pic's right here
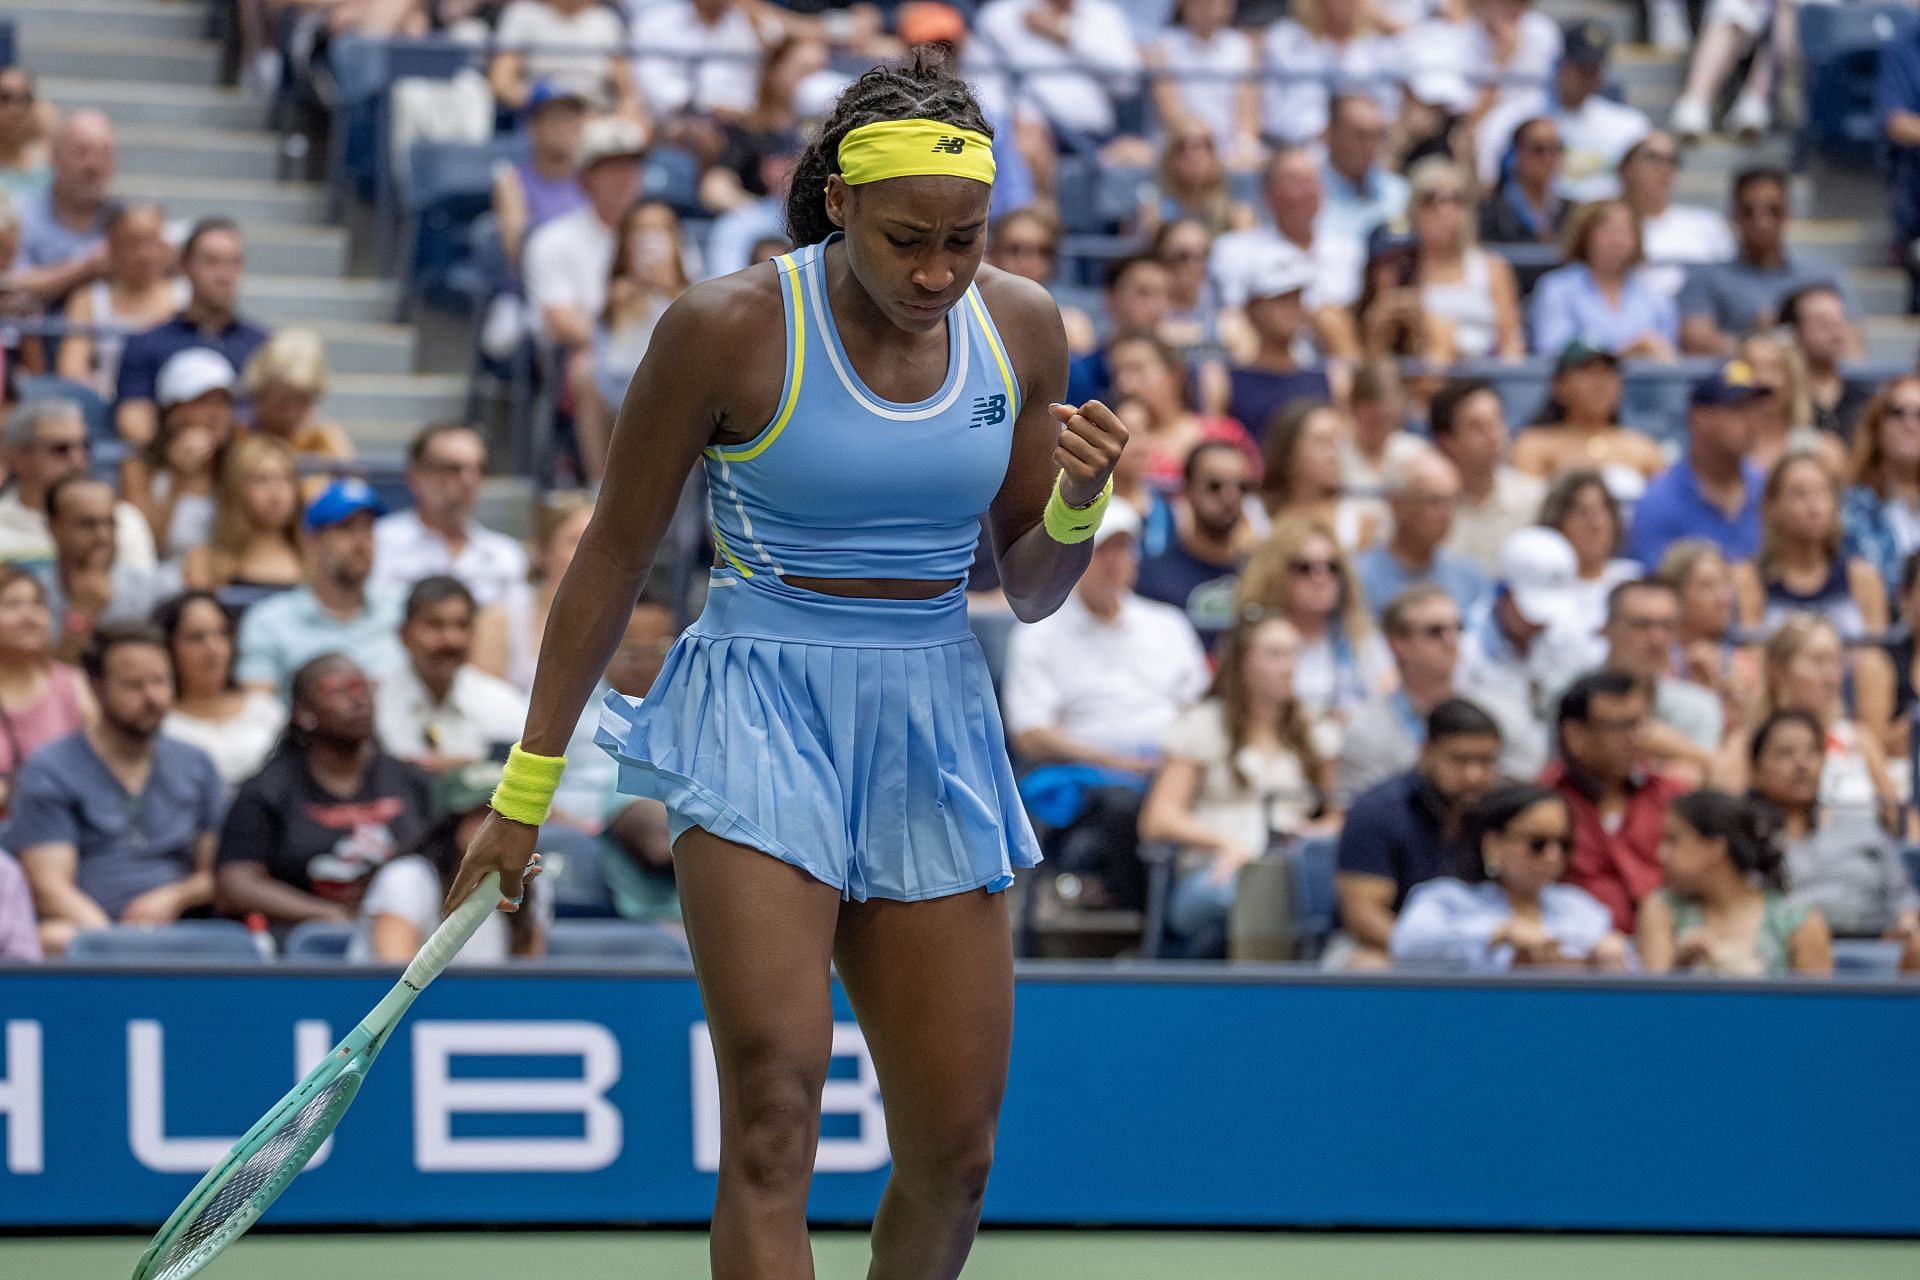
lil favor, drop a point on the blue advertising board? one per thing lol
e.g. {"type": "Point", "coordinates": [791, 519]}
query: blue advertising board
{"type": "Point", "coordinates": [1200, 1098]}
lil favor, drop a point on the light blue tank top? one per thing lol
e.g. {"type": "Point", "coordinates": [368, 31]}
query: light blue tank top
{"type": "Point", "coordinates": [844, 484]}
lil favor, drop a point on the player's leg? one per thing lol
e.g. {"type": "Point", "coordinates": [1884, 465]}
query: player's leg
{"type": "Point", "coordinates": [932, 983]}
{"type": "Point", "coordinates": [762, 936]}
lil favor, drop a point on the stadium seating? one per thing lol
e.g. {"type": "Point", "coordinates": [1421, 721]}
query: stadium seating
{"type": "Point", "coordinates": [450, 186]}
{"type": "Point", "coordinates": [1316, 910]}
{"type": "Point", "coordinates": [1840, 51]}
{"type": "Point", "coordinates": [318, 940]}
{"type": "Point", "coordinates": [185, 941]}
{"type": "Point", "coordinates": [618, 941]}
{"type": "Point", "coordinates": [572, 873]}
{"type": "Point", "coordinates": [1865, 958]}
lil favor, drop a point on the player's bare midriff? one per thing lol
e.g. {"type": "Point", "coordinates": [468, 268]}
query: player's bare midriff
{"type": "Point", "coordinates": [874, 588]}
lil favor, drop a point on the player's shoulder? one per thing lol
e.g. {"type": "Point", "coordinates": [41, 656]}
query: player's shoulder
{"type": "Point", "coordinates": [1021, 309]}
{"type": "Point", "coordinates": [744, 306]}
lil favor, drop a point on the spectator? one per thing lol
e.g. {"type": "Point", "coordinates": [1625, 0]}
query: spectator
{"type": "Point", "coordinates": [1421, 491]}
{"type": "Point", "coordinates": [773, 125]}
{"type": "Point", "coordinates": [696, 57]}
{"type": "Point", "coordinates": [1729, 28]}
{"type": "Point", "coordinates": [647, 275]}
{"type": "Point", "coordinates": [1407, 831]}
{"type": "Point", "coordinates": [735, 232]}
{"type": "Point", "coordinates": [506, 641]}
{"type": "Point", "coordinates": [1468, 290]}
{"type": "Point", "coordinates": [1379, 441]}
{"type": "Point", "coordinates": [577, 46]}
{"type": "Point", "coordinates": [1881, 511]}
{"type": "Point", "coordinates": [1293, 194]}
{"type": "Point", "coordinates": [567, 257]}
{"type": "Point", "coordinates": [63, 228]}
{"type": "Point", "coordinates": [136, 290]}
{"type": "Point", "coordinates": [1026, 243]}
{"type": "Point", "coordinates": [46, 441]}
{"type": "Point", "coordinates": [1525, 639]}
{"type": "Point", "coordinates": [1802, 567]}
{"type": "Point", "coordinates": [1070, 60]}
{"type": "Point", "coordinates": [1708, 654]}
{"type": "Point", "coordinates": [1643, 630]}
{"type": "Point", "coordinates": [1299, 574]}
{"type": "Point", "coordinates": [1384, 736]}
{"type": "Point", "coordinates": [115, 822]}
{"type": "Point", "coordinates": [445, 466]}
{"type": "Point", "coordinates": [40, 700]}
{"type": "Point", "coordinates": [1197, 568]}
{"type": "Point", "coordinates": [339, 610]}
{"type": "Point", "coordinates": [1723, 865]}
{"type": "Point", "coordinates": [1327, 48]}
{"type": "Point", "coordinates": [1468, 425]}
{"type": "Point", "coordinates": [1713, 492]}
{"type": "Point", "coordinates": [284, 381]}
{"type": "Point", "coordinates": [1817, 316]}
{"type": "Point", "coordinates": [1673, 237]}
{"type": "Point", "coordinates": [12, 298]}
{"type": "Point", "coordinates": [173, 483]}
{"type": "Point", "coordinates": [1841, 864]}
{"type": "Point", "coordinates": [1804, 664]}
{"type": "Point", "coordinates": [1193, 312]}
{"type": "Point", "coordinates": [19, 931]}
{"type": "Point", "coordinates": [530, 193]}
{"type": "Point", "coordinates": [1091, 691]}
{"type": "Point", "coordinates": [1787, 426]}
{"type": "Point", "coordinates": [89, 581]}
{"type": "Point", "coordinates": [1191, 182]}
{"type": "Point", "coordinates": [1505, 909]}
{"type": "Point", "coordinates": [1599, 298]}
{"type": "Point", "coordinates": [437, 709]}
{"type": "Point", "coordinates": [1596, 131]}
{"type": "Point", "coordinates": [1242, 769]}
{"type": "Point", "coordinates": [1617, 808]}
{"type": "Point", "coordinates": [1276, 311]}
{"type": "Point", "coordinates": [1390, 317]}
{"type": "Point", "coordinates": [236, 727]}
{"type": "Point", "coordinates": [1153, 388]}
{"type": "Point", "coordinates": [402, 906]}
{"type": "Point", "coordinates": [254, 550]}
{"type": "Point", "coordinates": [212, 258]}
{"type": "Point", "coordinates": [1584, 511]}
{"type": "Point", "coordinates": [1579, 426]}
{"type": "Point", "coordinates": [24, 159]}
{"type": "Point", "coordinates": [1139, 295]}
{"type": "Point", "coordinates": [1723, 300]}
{"type": "Point", "coordinates": [306, 834]}
{"type": "Point", "coordinates": [1525, 205]}
{"type": "Point", "coordinates": [1362, 194]}
{"type": "Point", "coordinates": [1301, 476]}
{"type": "Point", "coordinates": [1510, 52]}
{"type": "Point", "coordinates": [1205, 74]}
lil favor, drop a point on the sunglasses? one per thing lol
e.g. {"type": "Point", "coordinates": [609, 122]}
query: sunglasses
{"type": "Point", "coordinates": [1183, 257]}
{"type": "Point", "coordinates": [63, 448]}
{"type": "Point", "coordinates": [1660, 157]}
{"type": "Point", "coordinates": [16, 99]}
{"type": "Point", "coordinates": [1904, 412]}
{"type": "Point", "coordinates": [1439, 199]}
{"type": "Point", "coordinates": [1200, 142]}
{"type": "Point", "coordinates": [1313, 568]}
{"type": "Point", "coordinates": [1768, 210]}
{"type": "Point", "coordinates": [1537, 845]}
{"type": "Point", "coordinates": [1027, 249]}
{"type": "Point", "coordinates": [1544, 148]}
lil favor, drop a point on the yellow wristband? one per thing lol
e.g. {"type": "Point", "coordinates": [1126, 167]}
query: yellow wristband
{"type": "Point", "coordinates": [527, 785]}
{"type": "Point", "coordinates": [1069, 524]}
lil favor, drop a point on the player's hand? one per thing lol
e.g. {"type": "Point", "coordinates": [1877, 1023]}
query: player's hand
{"type": "Point", "coordinates": [1091, 440]}
{"type": "Point", "coordinates": [500, 845]}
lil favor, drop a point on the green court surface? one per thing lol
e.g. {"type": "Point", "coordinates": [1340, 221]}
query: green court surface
{"type": "Point", "coordinates": [1007, 1255]}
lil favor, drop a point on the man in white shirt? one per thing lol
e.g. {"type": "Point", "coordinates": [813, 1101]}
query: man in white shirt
{"type": "Point", "coordinates": [1521, 645]}
{"type": "Point", "coordinates": [445, 466]}
{"type": "Point", "coordinates": [578, 46]}
{"type": "Point", "coordinates": [1672, 236]}
{"type": "Point", "coordinates": [568, 257]}
{"type": "Point", "coordinates": [1469, 426]}
{"type": "Point", "coordinates": [1294, 197]}
{"type": "Point", "coordinates": [1066, 59]}
{"type": "Point", "coordinates": [46, 440]}
{"type": "Point", "coordinates": [1596, 131]}
{"type": "Point", "coordinates": [696, 55]}
{"type": "Point", "coordinates": [437, 709]}
{"type": "Point", "coordinates": [1089, 693]}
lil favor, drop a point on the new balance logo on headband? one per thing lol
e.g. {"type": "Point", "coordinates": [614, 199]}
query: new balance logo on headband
{"type": "Point", "coordinates": [989, 411]}
{"type": "Point", "coordinates": [946, 144]}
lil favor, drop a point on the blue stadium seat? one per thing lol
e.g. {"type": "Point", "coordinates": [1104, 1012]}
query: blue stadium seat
{"type": "Point", "coordinates": [1913, 864]}
{"type": "Point", "coordinates": [1077, 189]}
{"type": "Point", "coordinates": [573, 874]}
{"type": "Point", "coordinates": [1840, 50]}
{"type": "Point", "coordinates": [1316, 909]}
{"type": "Point", "coordinates": [627, 941]}
{"type": "Point", "coordinates": [1529, 263]}
{"type": "Point", "coordinates": [318, 940]}
{"type": "Point", "coordinates": [1865, 958]}
{"type": "Point", "coordinates": [221, 941]}
{"type": "Point", "coordinates": [450, 186]}
{"type": "Point", "coordinates": [672, 175]}
{"type": "Point", "coordinates": [1522, 387]}
{"type": "Point", "coordinates": [6, 42]}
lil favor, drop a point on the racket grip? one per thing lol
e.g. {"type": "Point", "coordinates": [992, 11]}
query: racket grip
{"type": "Point", "coordinates": [453, 933]}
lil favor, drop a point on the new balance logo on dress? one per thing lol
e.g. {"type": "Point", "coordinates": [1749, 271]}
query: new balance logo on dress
{"type": "Point", "coordinates": [949, 145]}
{"type": "Point", "coordinates": [989, 411]}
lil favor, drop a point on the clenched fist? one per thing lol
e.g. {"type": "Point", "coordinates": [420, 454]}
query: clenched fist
{"type": "Point", "coordinates": [1091, 440]}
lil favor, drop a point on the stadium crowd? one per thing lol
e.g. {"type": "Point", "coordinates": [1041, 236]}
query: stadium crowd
{"type": "Point", "coordinates": [1563, 691]}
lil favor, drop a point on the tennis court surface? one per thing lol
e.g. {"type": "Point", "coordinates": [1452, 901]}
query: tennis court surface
{"type": "Point", "coordinates": [1007, 1255]}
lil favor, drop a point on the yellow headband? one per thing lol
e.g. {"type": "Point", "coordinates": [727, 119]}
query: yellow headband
{"type": "Point", "coordinates": [912, 148]}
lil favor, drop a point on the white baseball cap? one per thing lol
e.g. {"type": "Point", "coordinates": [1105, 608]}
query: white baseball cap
{"type": "Point", "coordinates": [1120, 518]}
{"type": "Point", "coordinates": [190, 374]}
{"type": "Point", "coordinates": [1280, 270]}
{"type": "Point", "coordinates": [608, 138]}
{"type": "Point", "coordinates": [1540, 571]}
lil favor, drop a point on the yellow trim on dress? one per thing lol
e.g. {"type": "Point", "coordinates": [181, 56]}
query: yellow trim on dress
{"type": "Point", "coordinates": [993, 343]}
{"type": "Point", "coordinates": [754, 448]}
{"type": "Point", "coordinates": [720, 541]}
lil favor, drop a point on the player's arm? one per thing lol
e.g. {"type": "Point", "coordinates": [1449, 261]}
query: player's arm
{"type": "Point", "coordinates": [1077, 443]}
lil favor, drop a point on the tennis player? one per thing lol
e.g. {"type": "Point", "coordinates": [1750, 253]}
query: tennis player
{"type": "Point", "coordinates": [825, 736]}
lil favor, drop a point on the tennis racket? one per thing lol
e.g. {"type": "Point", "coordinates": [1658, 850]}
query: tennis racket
{"type": "Point", "coordinates": [269, 1156]}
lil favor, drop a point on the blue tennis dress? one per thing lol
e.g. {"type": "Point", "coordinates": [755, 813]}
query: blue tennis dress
{"type": "Point", "coordinates": [858, 739]}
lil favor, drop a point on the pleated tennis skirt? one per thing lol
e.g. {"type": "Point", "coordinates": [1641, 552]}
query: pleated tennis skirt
{"type": "Point", "coordinates": [858, 739]}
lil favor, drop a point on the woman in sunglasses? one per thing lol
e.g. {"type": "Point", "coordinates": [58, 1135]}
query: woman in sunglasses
{"type": "Point", "coordinates": [1300, 574]}
{"type": "Point", "coordinates": [1881, 509]}
{"type": "Point", "coordinates": [1508, 910]}
{"type": "Point", "coordinates": [1463, 288]}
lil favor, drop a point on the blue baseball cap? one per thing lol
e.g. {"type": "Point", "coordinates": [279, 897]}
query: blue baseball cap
{"type": "Point", "coordinates": [1732, 383]}
{"type": "Point", "coordinates": [546, 91]}
{"type": "Point", "coordinates": [342, 500]}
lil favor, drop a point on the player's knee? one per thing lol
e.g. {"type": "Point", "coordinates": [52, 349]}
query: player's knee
{"type": "Point", "coordinates": [777, 1122]}
{"type": "Point", "coordinates": [952, 1169]}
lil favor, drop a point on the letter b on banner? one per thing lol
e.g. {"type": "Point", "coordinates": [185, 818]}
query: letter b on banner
{"type": "Point", "coordinates": [438, 1096]}
{"type": "Point", "coordinates": [857, 1096]}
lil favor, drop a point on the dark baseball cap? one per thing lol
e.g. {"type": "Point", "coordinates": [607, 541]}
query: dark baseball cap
{"type": "Point", "coordinates": [1732, 383]}
{"type": "Point", "coordinates": [1586, 43]}
{"type": "Point", "coordinates": [1578, 355]}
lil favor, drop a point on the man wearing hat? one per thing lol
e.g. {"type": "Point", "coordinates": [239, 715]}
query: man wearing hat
{"type": "Point", "coordinates": [1713, 492]}
{"type": "Point", "coordinates": [1521, 644]}
{"type": "Point", "coordinates": [1276, 311]}
{"type": "Point", "coordinates": [1595, 130]}
{"type": "Point", "coordinates": [335, 612]}
{"type": "Point", "coordinates": [567, 259]}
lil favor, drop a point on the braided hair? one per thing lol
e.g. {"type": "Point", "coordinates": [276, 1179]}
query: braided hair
{"type": "Point", "coordinates": [924, 88]}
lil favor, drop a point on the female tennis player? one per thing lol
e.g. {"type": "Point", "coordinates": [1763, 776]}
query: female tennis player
{"type": "Point", "coordinates": [825, 736]}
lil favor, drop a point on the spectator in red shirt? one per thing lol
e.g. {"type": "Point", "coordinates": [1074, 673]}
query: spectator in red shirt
{"type": "Point", "coordinates": [1618, 810]}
